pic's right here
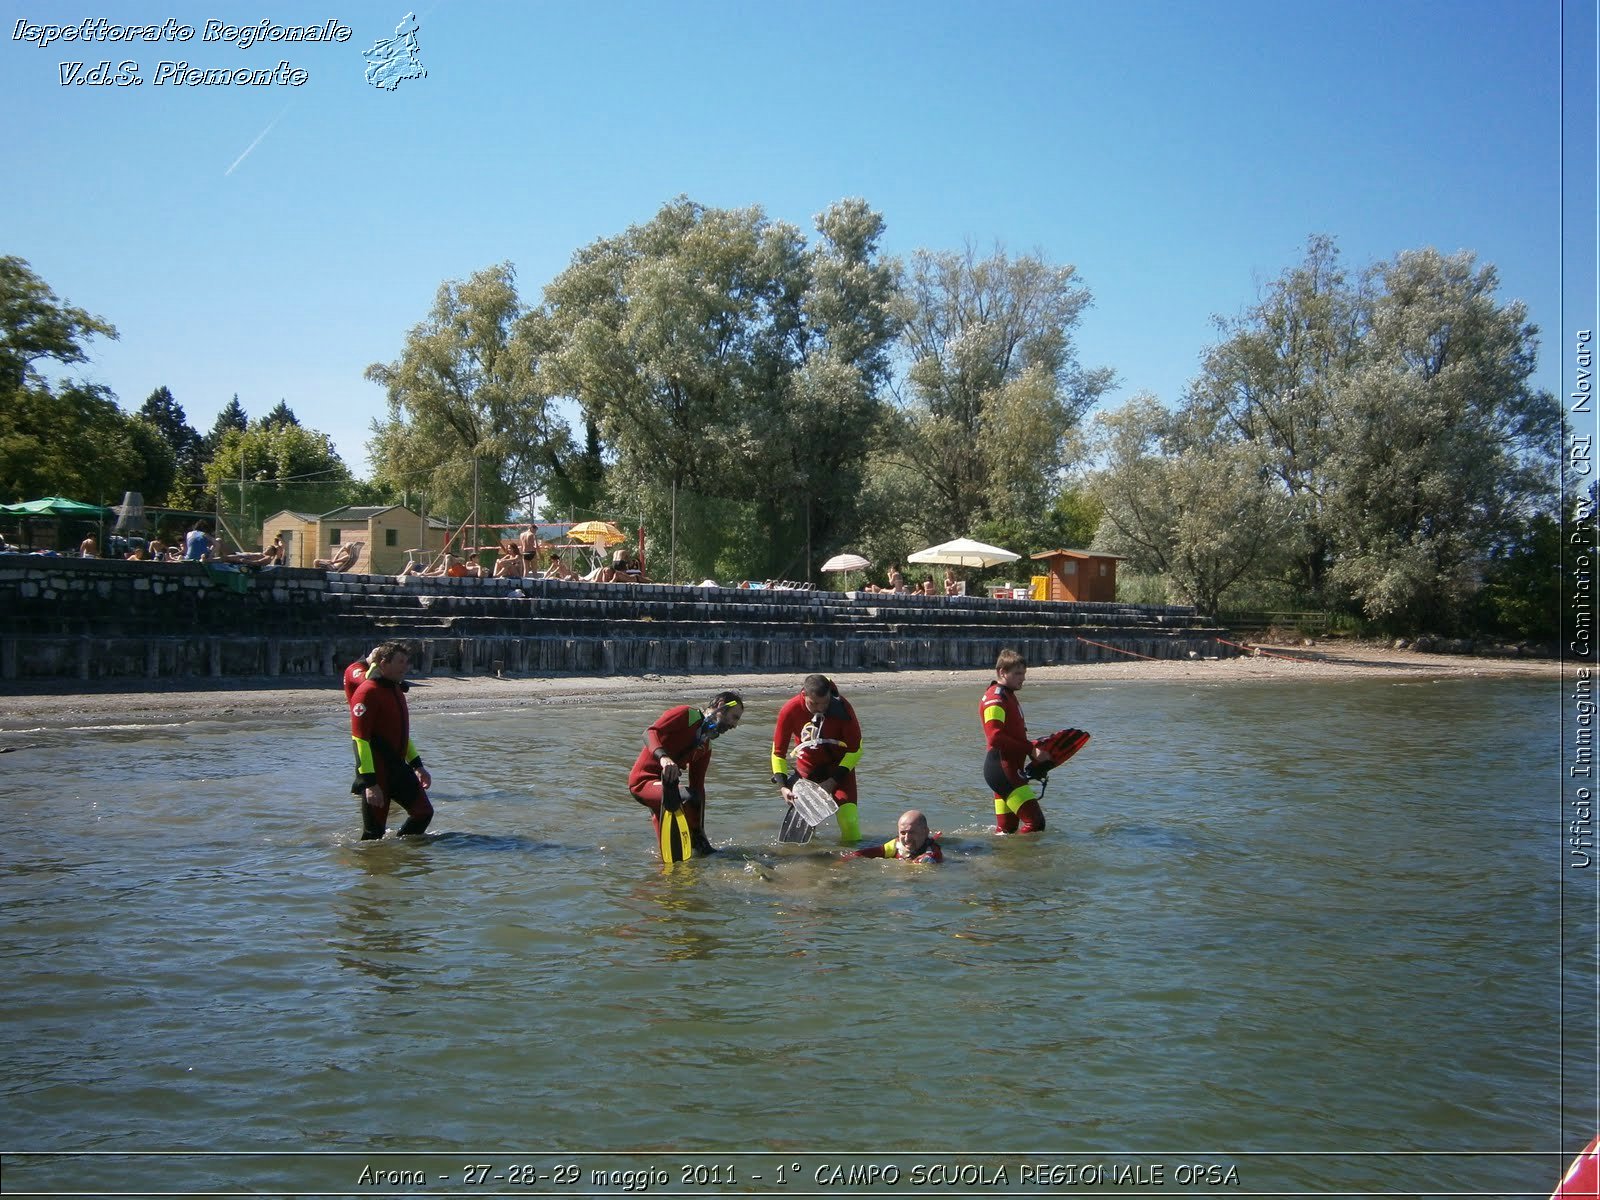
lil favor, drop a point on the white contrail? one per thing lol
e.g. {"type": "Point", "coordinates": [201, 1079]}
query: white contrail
{"type": "Point", "coordinates": [257, 142]}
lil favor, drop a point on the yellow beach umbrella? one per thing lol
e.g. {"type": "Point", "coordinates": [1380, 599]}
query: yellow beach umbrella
{"type": "Point", "coordinates": [596, 533]}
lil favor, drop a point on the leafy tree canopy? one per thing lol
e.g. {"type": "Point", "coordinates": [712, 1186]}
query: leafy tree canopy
{"type": "Point", "coordinates": [463, 393]}
{"type": "Point", "coordinates": [994, 392]}
{"type": "Point", "coordinates": [36, 326]}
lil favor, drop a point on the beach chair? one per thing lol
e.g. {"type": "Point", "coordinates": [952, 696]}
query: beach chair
{"type": "Point", "coordinates": [349, 552]}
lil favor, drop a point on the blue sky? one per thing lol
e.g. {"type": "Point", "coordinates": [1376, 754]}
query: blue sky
{"type": "Point", "coordinates": [1179, 154]}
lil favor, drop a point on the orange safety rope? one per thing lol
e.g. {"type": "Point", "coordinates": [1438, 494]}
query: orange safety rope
{"type": "Point", "coordinates": [1264, 650]}
{"type": "Point", "coordinates": [1119, 650]}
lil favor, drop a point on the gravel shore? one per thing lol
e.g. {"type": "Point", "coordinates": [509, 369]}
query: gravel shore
{"type": "Point", "coordinates": [124, 703]}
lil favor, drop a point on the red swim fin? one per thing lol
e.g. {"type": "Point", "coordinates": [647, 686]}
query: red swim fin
{"type": "Point", "coordinates": [1062, 745]}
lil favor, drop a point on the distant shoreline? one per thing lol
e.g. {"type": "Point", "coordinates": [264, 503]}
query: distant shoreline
{"type": "Point", "coordinates": [131, 702]}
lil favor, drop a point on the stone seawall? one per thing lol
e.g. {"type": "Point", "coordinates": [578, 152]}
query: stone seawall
{"type": "Point", "coordinates": [105, 619]}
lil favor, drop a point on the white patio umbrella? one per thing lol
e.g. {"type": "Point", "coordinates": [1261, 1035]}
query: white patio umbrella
{"type": "Point", "coordinates": [846, 562]}
{"type": "Point", "coordinates": [964, 552]}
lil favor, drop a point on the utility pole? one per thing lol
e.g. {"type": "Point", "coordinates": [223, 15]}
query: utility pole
{"type": "Point", "coordinates": [475, 535]}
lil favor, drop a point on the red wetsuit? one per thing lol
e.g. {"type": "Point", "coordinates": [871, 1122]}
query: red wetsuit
{"type": "Point", "coordinates": [354, 676]}
{"type": "Point", "coordinates": [829, 747]}
{"type": "Point", "coordinates": [380, 728]}
{"type": "Point", "coordinates": [1016, 805]}
{"type": "Point", "coordinates": [930, 852]}
{"type": "Point", "coordinates": [681, 735]}
{"type": "Point", "coordinates": [829, 743]}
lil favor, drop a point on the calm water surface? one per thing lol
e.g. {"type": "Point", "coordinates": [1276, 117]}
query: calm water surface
{"type": "Point", "coordinates": [1265, 917]}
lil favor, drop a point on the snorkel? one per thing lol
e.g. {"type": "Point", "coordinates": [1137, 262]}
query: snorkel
{"type": "Point", "coordinates": [720, 704]}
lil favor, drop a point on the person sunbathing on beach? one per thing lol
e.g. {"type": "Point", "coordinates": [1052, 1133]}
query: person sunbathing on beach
{"type": "Point", "coordinates": [625, 570]}
{"type": "Point", "coordinates": [510, 563]}
{"type": "Point", "coordinates": [450, 566]}
{"type": "Point", "coordinates": [271, 556]}
{"type": "Point", "coordinates": [911, 841]}
{"type": "Point", "coordinates": [340, 562]}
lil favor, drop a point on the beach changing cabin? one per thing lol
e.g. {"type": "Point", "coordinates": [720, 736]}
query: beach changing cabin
{"type": "Point", "coordinates": [386, 533]}
{"type": "Point", "coordinates": [1079, 575]}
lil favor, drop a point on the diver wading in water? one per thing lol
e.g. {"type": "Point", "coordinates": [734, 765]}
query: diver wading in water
{"type": "Point", "coordinates": [678, 741]}
{"type": "Point", "coordinates": [388, 767]}
{"type": "Point", "coordinates": [819, 727]}
{"type": "Point", "coordinates": [1013, 763]}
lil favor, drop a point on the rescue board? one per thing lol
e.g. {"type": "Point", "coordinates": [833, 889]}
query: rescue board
{"type": "Point", "coordinates": [1059, 746]}
{"type": "Point", "coordinates": [1583, 1176]}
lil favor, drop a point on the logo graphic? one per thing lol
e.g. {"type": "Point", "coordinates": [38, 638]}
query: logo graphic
{"type": "Point", "coordinates": [392, 60]}
{"type": "Point", "coordinates": [360, 710]}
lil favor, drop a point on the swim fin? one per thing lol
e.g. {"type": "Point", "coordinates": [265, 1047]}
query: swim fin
{"type": "Point", "coordinates": [795, 828]}
{"type": "Point", "coordinates": [677, 841]}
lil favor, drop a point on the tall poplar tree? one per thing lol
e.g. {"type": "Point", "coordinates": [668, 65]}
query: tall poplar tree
{"type": "Point", "coordinates": [464, 393]}
{"type": "Point", "coordinates": [994, 392]}
{"type": "Point", "coordinates": [732, 369]}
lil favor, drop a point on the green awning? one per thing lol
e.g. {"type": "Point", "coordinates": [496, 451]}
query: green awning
{"type": "Point", "coordinates": [54, 506]}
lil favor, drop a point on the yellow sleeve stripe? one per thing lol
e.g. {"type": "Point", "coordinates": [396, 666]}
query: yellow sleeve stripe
{"type": "Point", "coordinates": [849, 761]}
{"type": "Point", "coordinates": [411, 751]}
{"type": "Point", "coordinates": [780, 765]}
{"type": "Point", "coordinates": [994, 712]}
{"type": "Point", "coordinates": [364, 763]}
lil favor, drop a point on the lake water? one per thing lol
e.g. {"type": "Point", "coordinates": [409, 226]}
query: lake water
{"type": "Point", "coordinates": [1308, 935]}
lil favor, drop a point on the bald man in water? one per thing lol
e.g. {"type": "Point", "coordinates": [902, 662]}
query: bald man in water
{"type": "Point", "coordinates": [912, 842]}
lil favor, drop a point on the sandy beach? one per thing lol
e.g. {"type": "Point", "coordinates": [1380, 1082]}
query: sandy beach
{"type": "Point", "coordinates": [127, 702]}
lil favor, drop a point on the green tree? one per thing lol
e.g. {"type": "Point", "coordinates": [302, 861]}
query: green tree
{"type": "Point", "coordinates": [1074, 518]}
{"type": "Point", "coordinates": [1277, 381]}
{"type": "Point", "coordinates": [1395, 414]}
{"type": "Point", "coordinates": [1444, 446]}
{"type": "Point", "coordinates": [68, 438]}
{"type": "Point", "coordinates": [36, 326]}
{"type": "Point", "coordinates": [268, 468]}
{"type": "Point", "coordinates": [732, 370]}
{"type": "Point", "coordinates": [231, 417]}
{"type": "Point", "coordinates": [1521, 595]}
{"type": "Point", "coordinates": [281, 414]}
{"type": "Point", "coordinates": [463, 392]}
{"type": "Point", "coordinates": [1184, 500]}
{"type": "Point", "coordinates": [275, 453]}
{"type": "Point", "coordinates": [994, 391]}
{"type": "Point", "coordinates": [163, 413]}
{"type": "Point", "coordinates": [76, 442]}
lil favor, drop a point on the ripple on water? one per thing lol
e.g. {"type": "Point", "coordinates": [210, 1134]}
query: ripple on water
{"type": "Point", "coordinates": [1256, 911]}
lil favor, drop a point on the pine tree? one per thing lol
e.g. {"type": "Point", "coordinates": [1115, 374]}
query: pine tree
{"type": "Point", "coordinates": [232, 416]}
{"type": "Point", "coordinates": [281, 415]}
{"type": "Point", "coordinates": [166, 416]}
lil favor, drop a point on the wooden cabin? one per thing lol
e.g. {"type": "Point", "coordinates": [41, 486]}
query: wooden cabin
{"type": "Point", "coordinates": [1079, 575]}
{"type": "Point", "coordinates": [386, 532]}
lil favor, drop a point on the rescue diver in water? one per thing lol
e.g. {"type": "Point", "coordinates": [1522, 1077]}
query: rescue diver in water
{"type": "Point", "coordinates": [1013, 762]}
{"type": "Point", "coordinates": [819, 727]}
{"type": "Point", "coordinates": [911, 841]}
{"type": "Point", "coordinates": [680, 740]}
{"type": "Point", "coordinates": [388, 767]}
